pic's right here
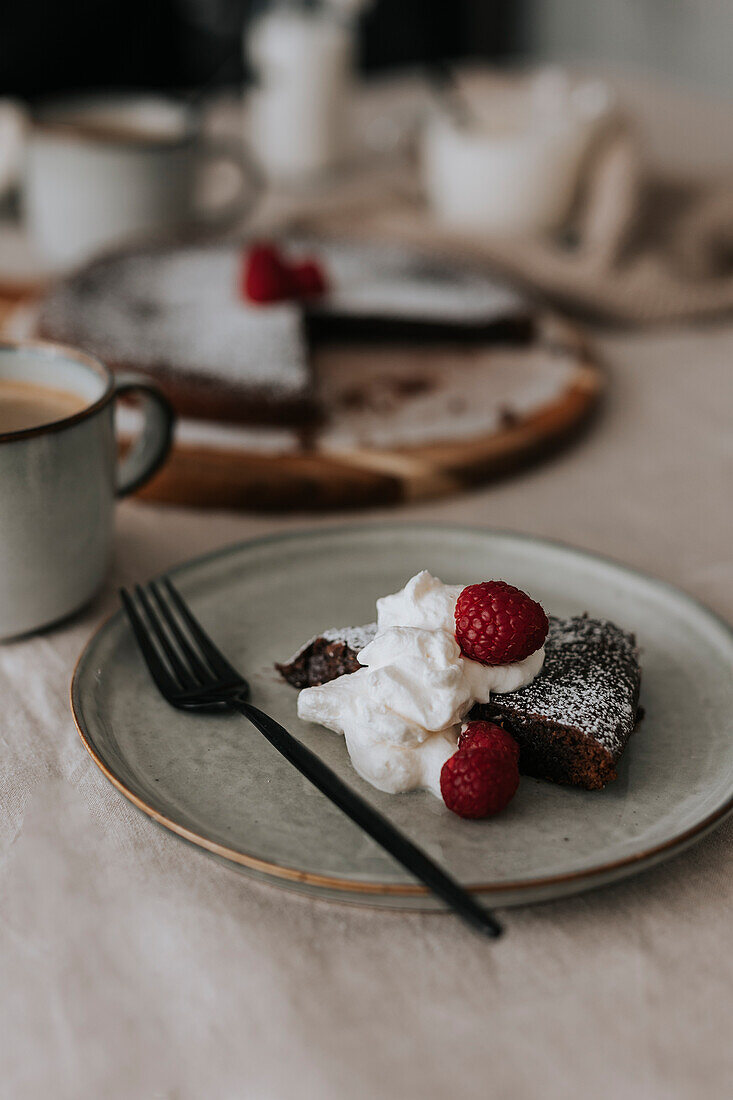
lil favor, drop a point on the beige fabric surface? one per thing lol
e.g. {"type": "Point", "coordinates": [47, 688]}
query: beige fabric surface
{"type": "Point", "coordinates": [132, 965]}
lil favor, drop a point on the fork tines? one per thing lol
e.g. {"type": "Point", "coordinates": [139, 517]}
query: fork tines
{"type": "Point", "coordinates": [179, 653]}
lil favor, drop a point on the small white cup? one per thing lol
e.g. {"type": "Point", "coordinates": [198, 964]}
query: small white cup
{"type": "Point", "coordinates": [59, 480]}
{"type": "Point", "coordinates": [513, 168]}
{"type": "Point", "coordinates": [99, 170]}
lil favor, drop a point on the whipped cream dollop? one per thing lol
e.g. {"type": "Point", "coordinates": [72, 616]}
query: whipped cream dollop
{"type": "Point", "coordinates": [401, 712]}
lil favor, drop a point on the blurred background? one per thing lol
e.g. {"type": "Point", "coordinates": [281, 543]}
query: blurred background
{"type": "Point", "coordinates": [581, 154]}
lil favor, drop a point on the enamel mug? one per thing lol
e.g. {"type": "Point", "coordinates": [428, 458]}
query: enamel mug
{"type": "Point", "coordinates": [59, 481]}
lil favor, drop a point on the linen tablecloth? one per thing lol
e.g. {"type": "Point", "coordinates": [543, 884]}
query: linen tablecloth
{"type": "Point", "coordinates": [132, 965]}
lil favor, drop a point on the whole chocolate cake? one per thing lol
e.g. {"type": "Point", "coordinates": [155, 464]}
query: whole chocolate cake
{"type": "Point", "coordinates": [178, 314]}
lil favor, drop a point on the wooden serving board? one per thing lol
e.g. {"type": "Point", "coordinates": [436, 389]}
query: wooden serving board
{"type": "Point", "coordinates": [403, 425]}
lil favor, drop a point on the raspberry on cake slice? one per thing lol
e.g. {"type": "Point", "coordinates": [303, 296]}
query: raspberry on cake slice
{"type": "Point", "coordinates": [497, 623]}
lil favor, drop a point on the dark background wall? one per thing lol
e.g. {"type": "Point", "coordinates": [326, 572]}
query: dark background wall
{"type": "Point", "coordinates": [48, 46]}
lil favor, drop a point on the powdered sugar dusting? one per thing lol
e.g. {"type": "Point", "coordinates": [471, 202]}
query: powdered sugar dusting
{"type": "Point", "coordinates": [355, 637]}
{"type": "Point", "coordinates": [180, 312]}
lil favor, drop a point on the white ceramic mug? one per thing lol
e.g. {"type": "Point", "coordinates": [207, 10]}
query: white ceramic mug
{"type": "Point", "coordinates": [99, 170]}
{"type": "Point", "coordinates": [59, 480]}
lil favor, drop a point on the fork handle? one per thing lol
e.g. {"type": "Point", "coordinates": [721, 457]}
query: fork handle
{"type": "Point", "coordinates": [372, 822]}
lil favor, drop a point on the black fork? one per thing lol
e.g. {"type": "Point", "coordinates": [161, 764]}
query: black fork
{"type": "Point", "coordinates": [192, 673]}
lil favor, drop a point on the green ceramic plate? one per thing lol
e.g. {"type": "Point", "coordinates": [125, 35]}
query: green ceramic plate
{"type": "Point", "coordinates": [220, 785]}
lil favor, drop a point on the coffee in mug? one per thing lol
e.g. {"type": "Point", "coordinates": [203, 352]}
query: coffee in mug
{"type": "Point", "coordinates": [24, 405]}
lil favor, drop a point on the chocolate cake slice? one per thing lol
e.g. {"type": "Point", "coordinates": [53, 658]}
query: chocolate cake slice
{"type": "Point", "coordinates": [327, 656]}
{"type": "Point", "coordinates": [572, 722]}
{"type": "Point", "coordinates": [176, 313]}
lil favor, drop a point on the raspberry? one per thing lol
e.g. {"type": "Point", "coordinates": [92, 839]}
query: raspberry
{"type": "Point", "coordinates": [309, 278]}
{"type": "Point", "coordinates": [266, 276]}
{"type": "Point", "coordinates": [486, 735]}
{"type": "Point", "coordinates": [478, 782]}
{"type": "Point", "coordinates": [497, 623]}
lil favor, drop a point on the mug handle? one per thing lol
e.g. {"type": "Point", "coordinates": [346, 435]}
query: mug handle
{"type": "Point", "coordinates": [151, 448]}
{"type": "Point", "coordinates": [251, 183]}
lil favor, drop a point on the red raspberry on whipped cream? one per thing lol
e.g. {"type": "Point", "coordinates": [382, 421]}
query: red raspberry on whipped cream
{"type": "Point", "coordinates": [497, 624]}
